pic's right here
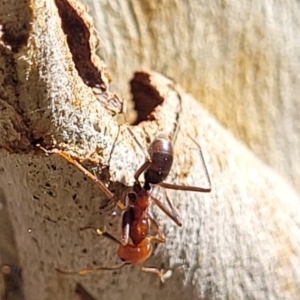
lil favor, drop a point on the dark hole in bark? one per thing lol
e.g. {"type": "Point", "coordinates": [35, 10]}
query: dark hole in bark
{"type": "Point", "coordinates": [145, 96]}
{"type": "Point", "coordinates": [78, 36]}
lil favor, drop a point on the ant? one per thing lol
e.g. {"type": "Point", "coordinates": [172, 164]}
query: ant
{"type": "Point", "coordinates": [136, 217]}
{"type": "Point", "coordinates": [135, 225]}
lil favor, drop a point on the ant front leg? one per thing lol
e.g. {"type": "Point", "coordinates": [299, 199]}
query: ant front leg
{"type": "Point", "coordinates": [90, 270]}
{"type": "Point", "coordinates": [172, 214]}
{"type": "Point", "coordinates": [100, 184]}
{"type": "Point", "coordinates": [160, 239]}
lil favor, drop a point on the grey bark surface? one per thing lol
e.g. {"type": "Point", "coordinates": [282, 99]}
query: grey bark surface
{"type": "Point", "coordinates": [239, 242]}
{"type": "Point", "coordinates": [240, 59]}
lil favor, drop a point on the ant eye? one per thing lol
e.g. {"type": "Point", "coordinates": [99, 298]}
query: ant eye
{"type": "Point", "coordinates": [123, 259]}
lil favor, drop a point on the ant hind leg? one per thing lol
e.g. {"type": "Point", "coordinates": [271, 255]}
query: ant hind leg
{"type": "Point", "coordinates": [163, 276]}
{"type": "Point", "coordinates": [90, 270]}
{"type": "Point", "coordinates": [103, 233]}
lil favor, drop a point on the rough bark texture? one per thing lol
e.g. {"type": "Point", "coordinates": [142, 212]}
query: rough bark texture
{"type": "Point", "coordinates": [239, 242]}
{"type": "Point", "coordinates": [240, 59]}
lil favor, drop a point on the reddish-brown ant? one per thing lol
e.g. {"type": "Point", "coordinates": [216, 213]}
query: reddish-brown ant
{"type": "Point", "coordinates": [135, 222]}
{"type": "Point", "coordinates": [135, 225]}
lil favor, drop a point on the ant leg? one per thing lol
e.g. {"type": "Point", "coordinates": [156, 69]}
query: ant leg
{"type": "Point", "coordinates": [160, 274]}
{"type": "Point", "coordinates": [203, 160]}
{"type": "Point", "coordinates": [173, 209]}
{"type": "Point", "coordinates": [184, 187]}
{"type": "Point", "coordinates": [161, 237]}
{"type": "Point", "coordinates": [101, 185]}
{"type": "Point", "coordinates": [172, 214]}
{"type": "Point", "coordinates": [103, 233]}
{"type": "Point", "coordinates": [191, 188]}
{"type": "Point", "coordinates": [90, 270]}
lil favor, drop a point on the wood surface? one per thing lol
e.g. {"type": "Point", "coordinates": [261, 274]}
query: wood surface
{"type": "Point", "coordinates": [239, 242]}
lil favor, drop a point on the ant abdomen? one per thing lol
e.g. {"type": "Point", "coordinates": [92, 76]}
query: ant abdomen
{"type": "Point", "coordinates": [135, 254]}
{"type": "Point", "coordinates": [161, 154]}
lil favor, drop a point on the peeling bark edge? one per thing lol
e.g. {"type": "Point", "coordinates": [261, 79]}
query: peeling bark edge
{"type": "Point", "coordinates": [32, 72]}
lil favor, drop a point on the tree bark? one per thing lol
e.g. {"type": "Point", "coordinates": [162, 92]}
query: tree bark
{"type": "Point", "coordinates": [238, 242]}
{"type": "Point", "coordinates": [239, 59]}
